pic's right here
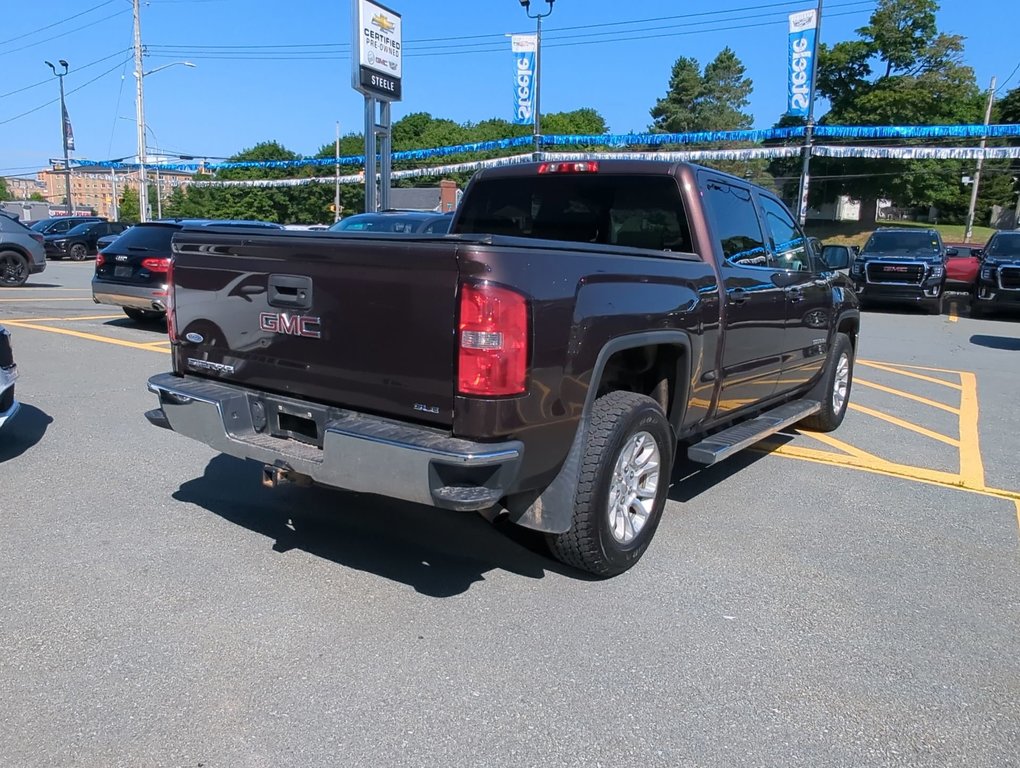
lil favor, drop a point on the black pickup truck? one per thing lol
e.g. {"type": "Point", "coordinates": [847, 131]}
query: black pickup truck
{"type": "Point", "coordinates": [540, 362]}
{"type": "Point", "coordinates": [902, 265]}
{"type": "Point", "coordinates": [998, 281]}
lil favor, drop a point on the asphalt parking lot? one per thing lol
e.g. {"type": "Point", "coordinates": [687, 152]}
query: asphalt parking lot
{"type": "Point", "coordinates": [846, 599]}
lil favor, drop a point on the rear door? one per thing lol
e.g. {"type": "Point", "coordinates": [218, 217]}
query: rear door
{"type": "Point", "coordinates": [808, 299]}
{"type": "Point", "coordinates": [755, 309]}
{"type": "Point", "coordinates": [366, 322]}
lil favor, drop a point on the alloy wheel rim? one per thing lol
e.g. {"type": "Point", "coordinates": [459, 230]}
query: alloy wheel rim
{"type": "Point", "coordinates": [841, 383]}
{"type": "Point", "coordinates": [10, 269]}
{"type": "Point", "coordinates": [633, 487]}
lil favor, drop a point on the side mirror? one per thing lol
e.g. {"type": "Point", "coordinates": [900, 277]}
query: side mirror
{"type": "Point", "coordinates": [836, 256]}
{"type": "Point", "coordinates": [952, 252]}
{"type": "Point", "coordinates": [978, 252]}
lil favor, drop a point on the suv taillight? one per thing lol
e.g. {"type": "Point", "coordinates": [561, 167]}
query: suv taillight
{"type": "Point", "coordinates": [38, 238]}
{"type": "Point", "coordinates": [156, 264]}
{"type": "Point", "coordinates": [492, 337]}
{"type": "Point", "coordinates": [100, 259]}
{"type": "Point", "coordinates": [171, 315]}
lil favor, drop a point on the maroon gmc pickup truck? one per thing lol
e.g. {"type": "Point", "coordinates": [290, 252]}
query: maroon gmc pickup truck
{"type": "Point", "coordinates": [543, 361]}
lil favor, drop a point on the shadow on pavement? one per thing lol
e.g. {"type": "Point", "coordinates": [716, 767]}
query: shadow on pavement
{"type": "Point", "coordinates": [690, 479]}
{"type": "Point", "coordinates": [32, 284]}
{"type": "Point", "coordinates": [153, 326]}
{"type": "Point", "coordinates": [23, 432]}
{"type": "Point", "coordinates": [1008, 343]}
{"type": "Point", "coordinates": [438, 553]}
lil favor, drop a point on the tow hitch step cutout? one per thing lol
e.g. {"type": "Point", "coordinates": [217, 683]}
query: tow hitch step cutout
{"type": "Point", "coordinates": [724, 444]}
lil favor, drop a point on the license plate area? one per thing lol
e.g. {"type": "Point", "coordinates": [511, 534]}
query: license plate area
{"type": "Point", "coordinates": [124, 271]}
{"type": "Point", "coordinates": [296, 423]}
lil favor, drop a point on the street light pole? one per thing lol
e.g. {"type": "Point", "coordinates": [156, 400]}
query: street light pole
{"type": "Point", "coordinates": [63, 133]}
{"type": "Point", "coordinates": [526, 4]}
{"type": "Point", "coordinates": [336, 192]}
{"type": "Point", "coordinates": [809, 128]}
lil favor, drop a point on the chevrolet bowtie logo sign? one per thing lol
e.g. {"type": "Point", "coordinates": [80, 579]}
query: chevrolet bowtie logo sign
{"type": "Point", "coordinates": [381, 21]}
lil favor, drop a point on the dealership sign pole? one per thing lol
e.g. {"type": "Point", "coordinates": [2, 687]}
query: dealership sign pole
{"type": "Point", "coordinates": [376, 73]}
{"type": "Point", "coordinates": [805, 29]}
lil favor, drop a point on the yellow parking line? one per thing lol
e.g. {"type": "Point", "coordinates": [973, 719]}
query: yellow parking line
{"type": "Point", "coordinates": [971, 468]}
{"type": "Point", "coordinates": [906, 425]}
{"type": "Point", "coordinates": [839, 445]}
{"type": "Point", "coordinates": [34, 299]}
{"type": "Point", "coordinates": [907, 395]}
{"type": "Point", "coordinates": [89, 336]}
{"type": "Point", "coordinates": [953, 316]}
{"type": "Point", "coordinates": [929, 477]}
{"type": "Point", "coordinates": [41, 288]}
{"type": "Point", "coordinates": [919, 376]}
{"type": "Point", "coordinates": [912, 367]}
{"type": "Point", "coordinates": [1017, 502]}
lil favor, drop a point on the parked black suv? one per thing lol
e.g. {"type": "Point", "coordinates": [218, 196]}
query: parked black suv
{"type": "Point", "coordinates": [59, 224]}
{"type": "Point", "coordinates": [82, 240]}
{"type": "Point", "coordinates": [131, 272]}
{"type": "Point", "coordinates": [904, 265]}
{"type": "Point", "coordinates": [998, 282]}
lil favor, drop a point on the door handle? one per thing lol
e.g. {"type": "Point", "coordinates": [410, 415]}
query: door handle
{"type": "Point", "coordinates": [738, 295]}
{"type": "Point", "coordinates": [795, 293]}
{"type": "Point", "coordinates": [290, 291]}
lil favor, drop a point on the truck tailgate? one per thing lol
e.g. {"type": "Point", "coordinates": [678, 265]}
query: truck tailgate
{"type": "Point", "coordinates": [361, 322]}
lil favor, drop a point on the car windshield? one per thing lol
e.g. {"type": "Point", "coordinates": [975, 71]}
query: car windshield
{"type": "Point", "coordinates": [80, 229]}
{"type": "Point", "coordinates": [1004, 246]}
{"type": "Point", "coordinates": [40, 225]}
{"type": "Point", "coordinates": [369, 222]}
{"type": "Point", "coordinates": [898, 242]}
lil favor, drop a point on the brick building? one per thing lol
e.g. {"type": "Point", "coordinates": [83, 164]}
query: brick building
{"type": "Point", "coordinates": [97, 188]}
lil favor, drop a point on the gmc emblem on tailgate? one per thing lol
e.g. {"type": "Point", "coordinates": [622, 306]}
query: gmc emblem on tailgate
{"type": "Point", "coordinates": [291, 325]}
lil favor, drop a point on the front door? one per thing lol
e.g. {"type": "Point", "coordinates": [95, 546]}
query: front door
{"type": "Point", "coordinates": [755, 310]}
{"type": "Point", "coordinates": [808, 292]}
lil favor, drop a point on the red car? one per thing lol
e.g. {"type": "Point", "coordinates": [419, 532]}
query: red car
{"type": "Point", "coordinates": [963, 260]}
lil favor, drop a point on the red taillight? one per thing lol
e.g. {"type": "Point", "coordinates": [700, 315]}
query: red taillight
{"type": "Point", "coordinates": [589, 166]}
{"type": "Point", "coordinates": [156, 265]}
{"type": "Point", "coordinates": [38, 238]}
{"type": "Point", "coordinates": [171, 319]}
{"type": "Point", "coordinates": [100, 259]}
{"type": "Point", "coordinates": [492, 340]}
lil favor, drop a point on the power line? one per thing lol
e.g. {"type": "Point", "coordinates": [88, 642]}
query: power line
{"type": "Point", "coordinates": [1006, 81]}
{"type": "Point", "coordinates": [77, 69]}
{"type": "Point", "coordinates": [55, 23]}
{"type": "Point", "coordinates": [65, 34]}
{"type": "Point", "coordinates": [73, 90]}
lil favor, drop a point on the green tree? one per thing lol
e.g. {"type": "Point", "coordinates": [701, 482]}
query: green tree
{"type": "Point", "coordinates": [4, 192]}
{"type": "Point", "coordinates": [922, 81]}
{"type": "Point", "coordinates": [128, 206]}
{"type": "Point", "coordinates": [37, 197]}
{"type": "Point", "coordinates": [712, 100]}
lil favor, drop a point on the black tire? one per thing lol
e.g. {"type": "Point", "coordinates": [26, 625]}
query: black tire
{"type": "Point", "coordinates": [143, 315]}
{"type": "Point", "coordinates": [831, 415]}
{"type": "Point", "coordinates": [78, 252]}
{"type": "Point", "coordinates": [13, 269]}
{"type": "Point", "coordinates": [617, 419]}
{"type": "Point", "coordinates": [935, 306]}
{"type": "Point", "coordinates": [977, 310]}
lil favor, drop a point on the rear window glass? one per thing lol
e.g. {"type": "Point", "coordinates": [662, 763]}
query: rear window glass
{"type": "Point", "coordinates": [632, 211]}
{"type": "Point", "coordinates": [154, 238]}
{"type": "Point", "coordinates": [1004, 245]}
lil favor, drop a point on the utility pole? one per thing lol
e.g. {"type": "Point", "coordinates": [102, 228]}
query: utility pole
{"type": "Point", "coordinates": [114, 213]}
{"type": "Point", "coordinates": [809, 131]}
{"type": "Point", "coordinates": [64, 122]}
{"type": "Point", "coordinates": [981, 160]}
{"type": "Point", "coordinates": [143, 184]}
{"type": "Point", "coordinates": [336, 194]}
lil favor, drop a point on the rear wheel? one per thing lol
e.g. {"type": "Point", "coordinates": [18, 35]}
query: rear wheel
{"type": "Point", "coordinates": [833, 389]}
{"type": "Point", "coordinates": [622, 486]}
{"type": "Point", "coordinates": [143, 315]}
{"type": "Point", "coordinates": [13, 269]}
{"type": "Point", "coordinates": [78, 252]}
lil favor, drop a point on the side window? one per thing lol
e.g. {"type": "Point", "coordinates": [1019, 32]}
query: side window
{"type": "Point", "coordinates": [735, 222]}
{"type": "Point", "coordinates": [648, 213]}
{"type": "Point", "coordinates": [61, 226]}
{"type": "Point", "coordinates": [791, 247]}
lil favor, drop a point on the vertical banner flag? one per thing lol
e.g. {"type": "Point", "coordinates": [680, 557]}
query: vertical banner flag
{"type": "Point", "coordinates": [524, 48]}
{"type": "Point", "coordinates": [68, 133]}
{"type": "Point", "coordinates": [802, 51]}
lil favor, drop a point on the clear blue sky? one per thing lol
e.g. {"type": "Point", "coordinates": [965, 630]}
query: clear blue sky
{"type": "Point", "coordinates": [457, 64]}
